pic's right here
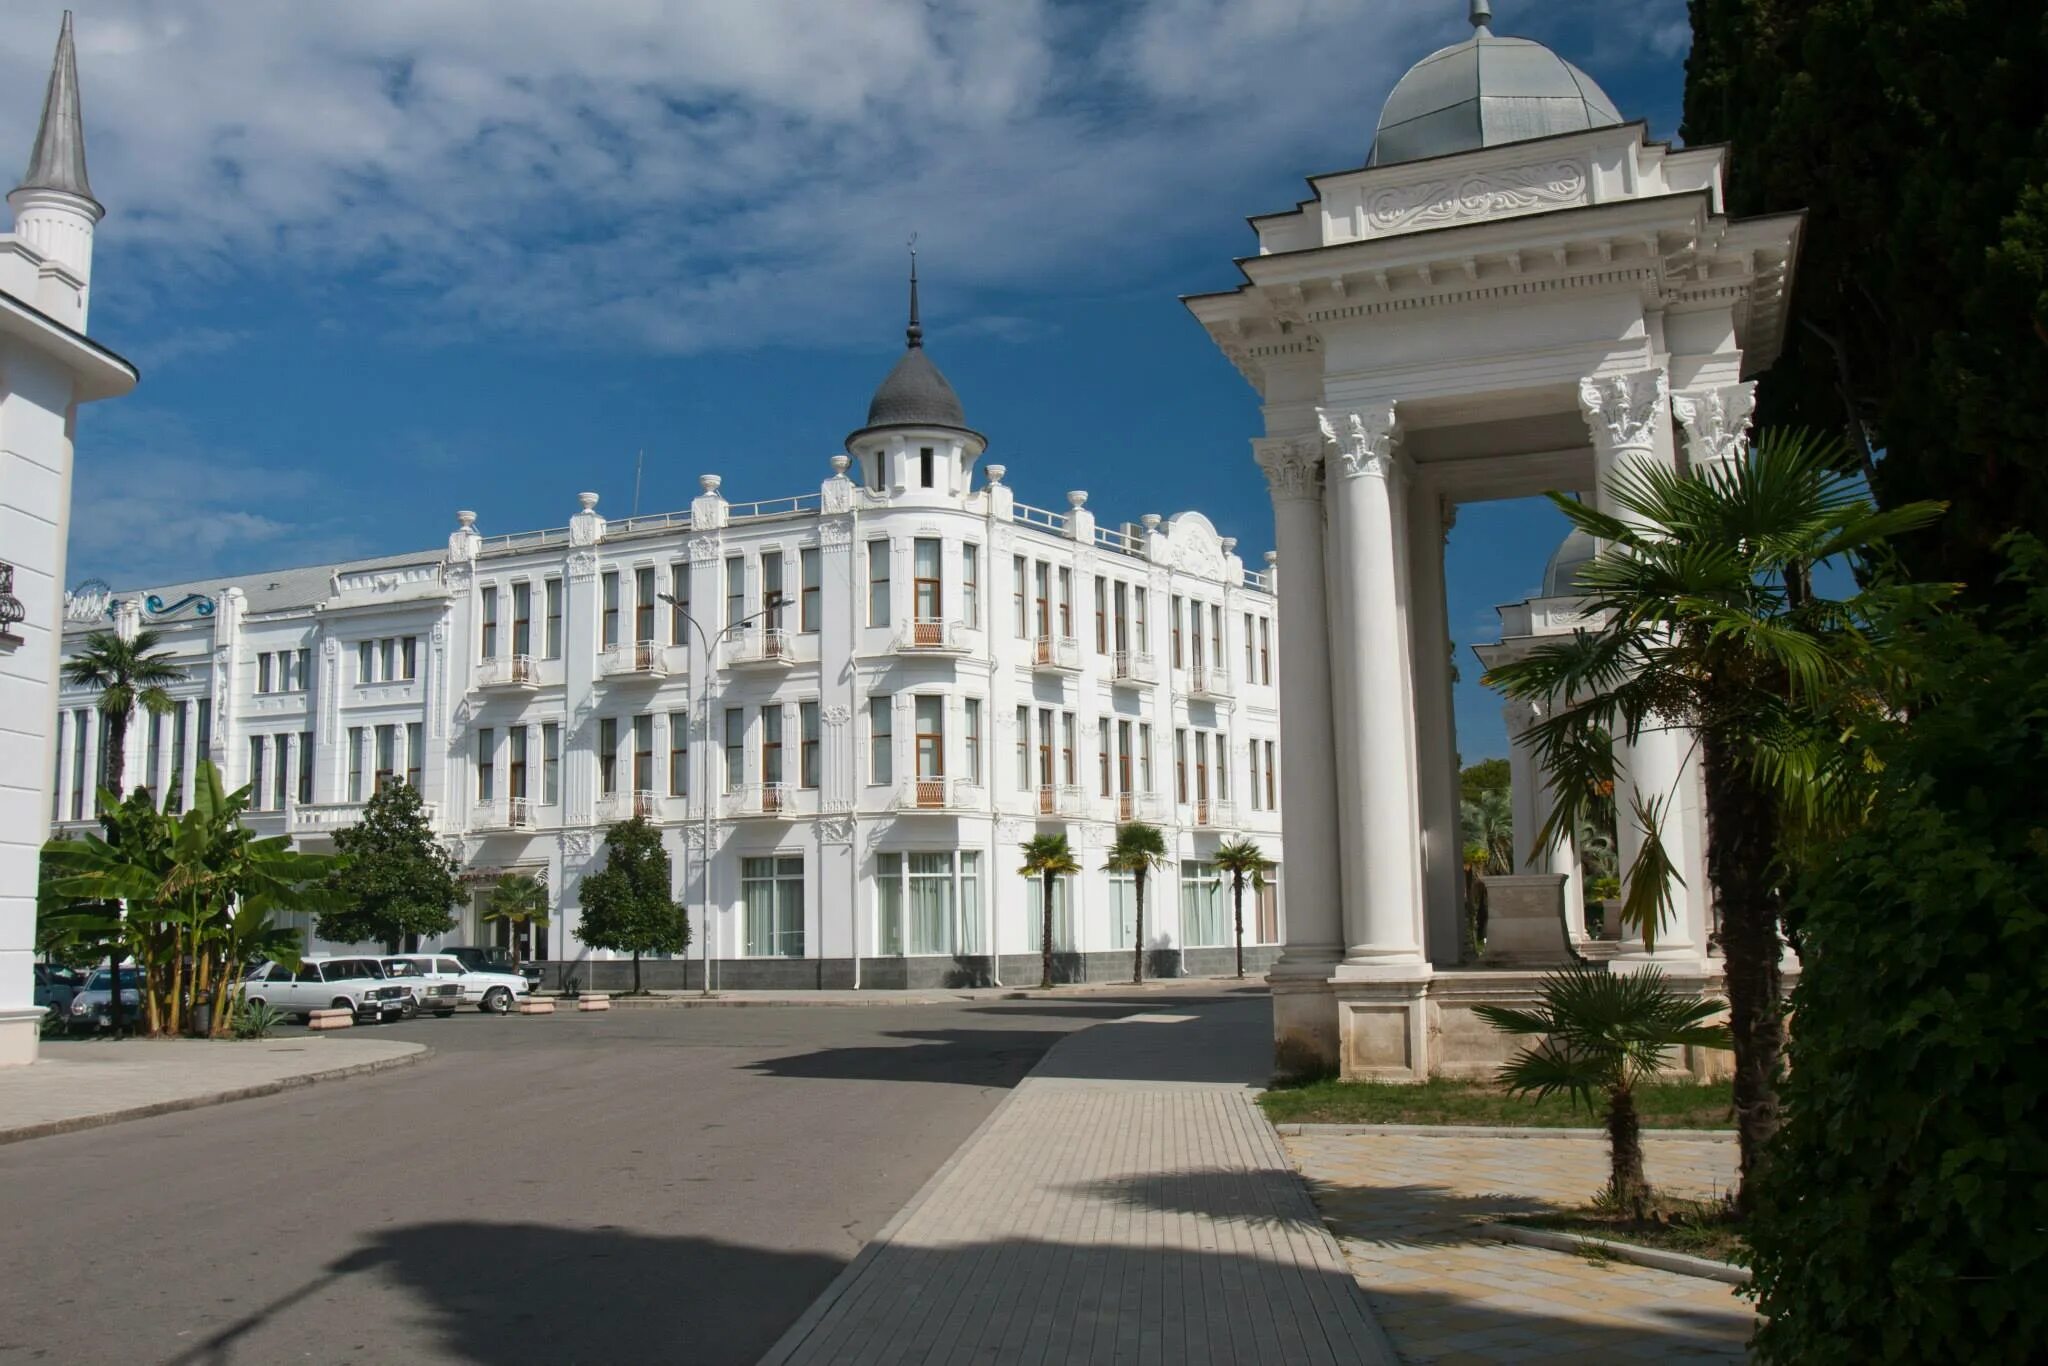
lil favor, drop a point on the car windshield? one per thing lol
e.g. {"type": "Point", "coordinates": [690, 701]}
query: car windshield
{"type": "Point", "coordinates": [399, 967]}
{"type": "Point", "coordinates": [130, 979]}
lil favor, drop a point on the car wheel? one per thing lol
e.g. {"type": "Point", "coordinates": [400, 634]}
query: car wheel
{"type": "Point", "coordinates": [252, 1000]}
{"type": "Point", "coordinates": [408, 1010]}
{"type": "Point", "coordinates": [498, 1001]}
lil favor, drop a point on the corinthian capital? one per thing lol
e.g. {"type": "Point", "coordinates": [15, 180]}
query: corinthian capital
{"type": "Point", "coordinates": [1293, 466]}
{"type": "Point", "coordinates": [1622, 411]}
{"type": "Point", "coordinates": [1716, 421]}
{"type": "Point", "coordinates": [1364, 439]}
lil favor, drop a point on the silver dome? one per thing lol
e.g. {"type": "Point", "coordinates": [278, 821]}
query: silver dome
{"type": "Point", "coordinates": [1484, 92]}
{"type": "Point", "coordinates": [1561, 575]}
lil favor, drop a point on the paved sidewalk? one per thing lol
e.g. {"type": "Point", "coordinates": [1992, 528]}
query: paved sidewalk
{"type": "Point", "coordinates": [1127, 1203]}
{"type": "Point", "coordinates": [81, 1085]}
{"type": "Point", "coordinates": [926, 996]}
{"type": "Point", "coordinates": [1405, 1205]}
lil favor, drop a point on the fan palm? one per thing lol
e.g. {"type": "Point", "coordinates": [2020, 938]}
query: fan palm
{"type": "Point", "coordinates": [1605, 1034]}
{"type": "Point", "coordinates": [1050, 858]}
{"type": "Point", "coordinates": [1708, 621]}
{"type": "Point", "coordinates": [1139, 848]}
{"type": "Point", "coordinates": [127, 676]}
{"type": "Point", "coordinates": [521, 901]}
{"type": "Point", "coordinates": [1488, 820]}
{"type": "Point", "coordinates": [1245, 862]}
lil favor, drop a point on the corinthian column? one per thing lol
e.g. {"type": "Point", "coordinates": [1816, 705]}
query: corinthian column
{"type": "Point", "coordinates": [1377, 802]}
{"type": "Point", "coordinates": [1716, 423]}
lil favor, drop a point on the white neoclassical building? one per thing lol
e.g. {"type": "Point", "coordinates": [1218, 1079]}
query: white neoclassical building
{"type": "Point", "coordinates": [1518, 292]}
{"type": "Point", "coordinates": [866, 696]}
{"type": "Point", "coordinates": [48, 368]}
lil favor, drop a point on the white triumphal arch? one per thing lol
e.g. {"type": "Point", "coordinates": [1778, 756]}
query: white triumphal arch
{"type": "Point", "coordinates": [1519, 291]}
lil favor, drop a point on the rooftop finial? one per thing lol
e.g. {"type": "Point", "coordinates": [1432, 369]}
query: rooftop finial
{"type": "Point", "coordinates": [1482, 15]}
{"type": "Point", "coordinates": [58, 161]}
{"type": "Point", "coordinates": [914, 334]}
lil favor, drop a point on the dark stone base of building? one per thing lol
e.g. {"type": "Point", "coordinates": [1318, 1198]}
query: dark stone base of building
{"type": "Point", "coordinates": [898, 974]}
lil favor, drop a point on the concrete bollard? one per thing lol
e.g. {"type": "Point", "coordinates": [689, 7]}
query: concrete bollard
{"type": "Point", "coordinates": [594, 1001]}
{"type": "Point", "coordinates": [331, 1019]}
{"type": "Point", "coordinates": [537, 1007]}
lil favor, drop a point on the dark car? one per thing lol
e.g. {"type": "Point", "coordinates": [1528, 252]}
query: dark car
{"type": "Point", "coordinates": [492, 958]}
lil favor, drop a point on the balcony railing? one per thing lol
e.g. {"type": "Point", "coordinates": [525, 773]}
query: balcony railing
{"type": "Point", "coordinates": [625, 806]}
{"type": "Point", "coordinates": [1211, 814]}
{"type": "Point", "coordinates": [761, 799]}
{"type": "Point", "coordinates": [641, 659]}
{"type": "Point", "coordinates": [1133, 668]}
{"type": "Point", "coordinates": [324, 818]}
{"type": "Point", "coordinates": [508, 673]}
{"type": "Point", "coordinates": [1208, 680]}
{"type": "Point", "coordinates": [766, 645]}
{"type": "Point", "coordinates": [939, 794]}
{"type": "Point", "coordinates": [1136, 806]}
{"type": "Point", "coordinates": [1059, 799]}
{"type": "Point", "coordinates": [1056, 654]}
{"type": "Point", "coordinates": [931, 635]}
{"type": "Point", "coordinates": [513, 813]}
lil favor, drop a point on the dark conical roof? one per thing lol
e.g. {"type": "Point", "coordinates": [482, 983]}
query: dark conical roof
{"type": "Point", "coordinates": [58, 161]}
{"type": "Point", "coordinates": [915, 394]}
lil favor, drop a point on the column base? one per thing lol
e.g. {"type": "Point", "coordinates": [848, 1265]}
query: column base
{"type": "Point", "coordinates": [1687, 964]}
{"type": "Point", "coordinates": [1383, 1021]}
{"type": "Point", "coordinates": [21, 1033]}
{"type": "Point", "coordinates": [1305, 1044]}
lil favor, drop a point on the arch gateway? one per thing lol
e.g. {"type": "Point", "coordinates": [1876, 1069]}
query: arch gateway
{"type": "Point", "coordinates": [1518, 292]}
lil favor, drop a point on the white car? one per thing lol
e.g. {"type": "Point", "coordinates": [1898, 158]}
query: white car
{"type": "Point", "coordinates": [493, 992]}
{"type": "Point", "coordinates": [425, 989]}
{"type": "Point", "coordinates": [352, 983]}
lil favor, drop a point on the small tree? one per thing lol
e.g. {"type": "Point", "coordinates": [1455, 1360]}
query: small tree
{"type": "Point", "coordinates": [127, 676]}
{"type": "Point", "coordinates": [1049, 858]}
{"type": "Point", "coordinates": [395, 883]}
{"type": "Point", "coordinates": [1139, 848]}
{"type": "Point", "coordinates": [628, 905]}
{"type": "Point", "coordinates": [1246, 863]}
{"type": "Point", "coordinates": [521, 901]}
{"type": "Point", "coordinates": [1609, 1033]}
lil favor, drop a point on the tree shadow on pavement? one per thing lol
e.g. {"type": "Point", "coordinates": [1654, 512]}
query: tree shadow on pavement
{"type": "Point", "coordinates": [954, 1057]}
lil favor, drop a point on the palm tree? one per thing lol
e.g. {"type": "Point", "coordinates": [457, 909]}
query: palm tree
{"type": "Point", "coordinates": [1488, 820]}
{"type": "Point", "coordinates": [521, 901]}
{"type": "Point", "coordinates": [127, 675]}
{"type": "Point", "coordinates": [1708, 621]}
{"type": "Point", "coordinates": [1048, 857]}
{"type": "Point", "coordinates": [1607, 1033]}
{"type": "Point", "coordinates": [1245, 862]}
{"type": "Point", "coordinates": [1139, 848]}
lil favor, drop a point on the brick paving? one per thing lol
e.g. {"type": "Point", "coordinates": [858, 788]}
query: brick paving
{"type": "Point", "coordinates": [1404, 1206]}
{"type": "Point", "coordinates": [1127, 1203]}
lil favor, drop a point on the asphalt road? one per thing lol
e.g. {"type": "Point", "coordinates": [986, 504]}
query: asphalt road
{"type": "Point", "coordinates": [648, 1184]}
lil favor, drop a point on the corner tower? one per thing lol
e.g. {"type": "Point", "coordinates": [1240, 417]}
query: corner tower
{"type": "Point", "coordinates": [54, 211]}
{"type": "Point", "coordinates": [916, 441]}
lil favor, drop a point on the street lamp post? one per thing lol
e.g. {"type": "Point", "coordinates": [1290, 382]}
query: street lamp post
{"type": "Point", "coordinates": [710, 644]}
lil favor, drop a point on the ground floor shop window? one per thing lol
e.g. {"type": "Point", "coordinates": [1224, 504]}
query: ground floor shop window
{"type": "Point", "coordinates": [1265, 926]}
{"type": "Point", "coordinates": [772, 890]}
{"type": "Point", "coordinates": [1062, 915]}
{"type": "Point", "coordinates": [1204, 910]}
{"type": "Point", "coordinates": [927, 903]}
{"type": "Point", "coordinates": [1123, 906]}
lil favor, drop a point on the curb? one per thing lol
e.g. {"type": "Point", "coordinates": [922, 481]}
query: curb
{"type": "Point", "coordinates": [1684, 1264]}
{"type": "Point", "coordinates": [77, 1123]}
{"type": "Point", "coordinates": [970, 996]}
{"type": "Point", "coordinates": [1485, 1131]}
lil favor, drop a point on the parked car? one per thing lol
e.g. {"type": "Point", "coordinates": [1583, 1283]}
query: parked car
{"type": "Point", "coordinates": [425, 988]}
{"type": "Point", "coordinates": [55, 986]}
{"type": "Point", "coordinates": [492, 990]}
{"type": "Point", "coordinates": [356, 984]}
{"type": "Point", "coordinates": [494, 958]}
{"type": "Point", "coordinates": [93, 1004]}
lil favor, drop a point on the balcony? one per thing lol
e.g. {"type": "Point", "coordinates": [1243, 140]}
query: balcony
{"type": "Point", "coordinates": [1056, 655]}
{"type": "Point", "coordinates": [1061, 799]}
{"type": "Point", "coordinates": [324, 818]}
{"type": "Point", "coordinates": [511, 673]}
{"type": "Point", "coordinates": [762, 647]}
{"type": "Point", "coordinates": [931, 636]}
{"type": "Point", "coordinates": [644, 659]}
{"type": "Point", "coordinates": [761, 799]}
{"type": "Point", "coordinates": [1214, 815]}
{"type": "Point", "coordinates": [939, 794]}
{"type": "Point", "coordinates": [1136, 806]}
{"type": "Point", "coordinates": [1209, 681]}
{"type": "Point", "coordinates": [1132, 669]}
{"type": "Point", "coordinates": [626, 806]}
{"type": "Point", "coordinates": [515, 813]}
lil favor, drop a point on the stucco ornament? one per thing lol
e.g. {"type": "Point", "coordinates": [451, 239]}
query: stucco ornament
{"type": "Point", "coordinates": [1293, 466]}
{"type": "Point", "coordinates": [836, 494]}
{"type": "Point", "coordinates": [1364, 439]}
{"type": "Point", "coordinates": [1622, 411]}
{"type": "Point", "coordinates": [835, 535]}
{"type": "Point", "coordinates": [1486, 194]}
{"type": "Point", "coordinates": [586, 527]}
{"type": "Point", "coordinates": [577, 843]}
{"type": "Point", "coordinates": [836, 715]}
{"type": "Point", "coordinates": [835, 829]}
{"type": "Point", "coordinates": [583, 565]}
{"type": "Point", "coordinates": [1716, 421]}
{"type": "Point", "coordinates": [1194, 546]}
{"type": "Point", "coordinates": [704, 549]}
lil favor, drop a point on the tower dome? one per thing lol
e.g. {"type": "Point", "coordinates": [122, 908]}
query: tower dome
{"type": "Point", "coordinates": [1561, 575]}
{"type": "Point", "coordinates": [914, 393]}
{"type": "Point", "coordinates": [1484, 92]}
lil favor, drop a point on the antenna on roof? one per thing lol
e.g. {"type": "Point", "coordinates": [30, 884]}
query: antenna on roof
{"type": "Point", "coordinates": [1482, 15]}
{"type": "Point", "coordinates": [639, 464]}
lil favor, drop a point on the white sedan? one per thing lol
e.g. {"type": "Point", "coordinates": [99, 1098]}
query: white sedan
{"type": "Point", "coordinates": [493, 992]}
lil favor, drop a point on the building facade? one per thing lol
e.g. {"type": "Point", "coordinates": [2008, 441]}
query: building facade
{"type": "Point", "coordinates": [862, 700]}
{"type": "Point", "coordinates": [48, 368]}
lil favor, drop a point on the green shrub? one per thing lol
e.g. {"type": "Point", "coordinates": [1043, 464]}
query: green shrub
{"type": "Point", "coordinates": [255, 1020]}
{"type": "Point", "coordinates": [1904, 1217]}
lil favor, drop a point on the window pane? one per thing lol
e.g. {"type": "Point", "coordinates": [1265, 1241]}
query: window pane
{"type": "Point", "coordinates": [889, 904]}
{"type": "Point", "coordinates": [931, 903]}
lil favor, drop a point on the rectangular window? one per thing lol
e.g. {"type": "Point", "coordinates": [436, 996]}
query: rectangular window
{"type": "Point", "coordinates": [409, 658]}
{"type": "Point", "coordinates": [970, 901]}
{"type": "Point", "coordinates": [1034, 915]}
{"type": "Point", "coordinates": [807, 754]}
{"type": "Point", "coordinates": [881, 740]}
{"type": "Point", "coordinates": [1069, 771]}
{"type": "Point", "coordinates": [180, 723]}
{"type": "Point", "coordinates": [1101, 615]}
{"type": "Point", "coordinates": [771, 745]}
{"type": "Point", "coordinates": [515, 764]}
{"type": "Point", "coordinates": [607, 756]}
{"type": "Point", "coordinates": [1222, 767]}
{"type": "Point", "coordinates": [888, 904]}
{"type": "Point", "coordinates": [1021, 568]}
{"type": "Point", "coordinates": [970, 586]}
{"type": "Point", "coordinates": [263, 672]}
{"type": "Point", "coordinates": [305, 766]}
{"type": "Point", "coordinates": [366, 661]}
{"type": "Point", "coordinates": [930, 903]}
{"type": "Point", "coordinates": [678, 754]}
{"type": "Point", "coordinates": [1045, 742]}
{"type": "Point", "coordinates": [78, 738]}
{"type": "Point", "coordinates": [735, 748]}
{"type": "Point", "coordinates": [1267, 918]}
{"type": "Point", "coordinates": [550, 762]}
{"type": "Point", "coordinates": [486, 764]}
{"type": "Point", "coordinates": [878, 582]}
{"type": "Point", "coordinates": [1145, 758]}
{"type": "Point", "coordinates": [927, 468]}
{"type": "Point", "coordinates": [1196, 657]}
{"type": "Point", "coordinates": [1024, 783]}
{"type": "Point", "coordinates": [387, 757]}
{"type": "Point", "coordinates": [551, 592]}
{"type": "Point", "coordinates": [256, 773]}
{"type": "Point", "coordinates": [1180, 766]}
{"type": "Point", "coordinates": [280, 771]}
{"type": "Point", "coordinates": [1250, 671]}
{"type": "Point", "coordinates": [771, 589]}
{"type": "Point", "coordinates": [488, 614]}
{"type": "Point", "coordinates": [643, 604]}
{"type": "Point", "coordinates": [1174, 619]}
{"type": "Point", "coordinates": [153, 765]}
{"type": "Point", "coordinates": [772, 890]}
{"type": "Point", "coordinates": [927, 588]}
{"type": "Point", "coordinates": [355, 763]}
{"type": "Point", "coordinates": [1271, 792]}
{"type": "Point", "coordinates": [1265, 650]}
{"type": "Point", "coordinates": [522, 618]}
{"type": "Point", "coordinates": [971, 739]}
{"type": "Point", "coordinates": [609, 616]}
{"type": "Point", "coordinates": [1202, 897]}
{"type": "Point", "coordinates": [928, 713]}
{"type": "Point", "coordinates": [387, 656]}
{"type": "Point", "coordinates": [679, 610]}
{"type": "Point", "coordinates": [1216, 642]}
{"type": "Point", "coordinates": [1104, 737]}
{"type": "Point", "coordinates": [1041, 583]}
{"type": "Point", "coordinates": [1123, 758]}
{"type": "Point", "coordinates": [1202, 766]}
{"type": "Point", "coordinates": [810, 610]}
{"type": "Point", "coordinates": [1066, 603]}
{"type": "Point", "coordinates": [415, 753]}
{"type": "Point", "coordinates": [1138, 614]}
{"type": "Point", "coordinates": [643, 751]}
{"type": "Point", "coordinates": [1253, 773]}
{"type": "Point", "coordinates": [1123, 908]}
{"type": "Point", "coordinates": [735, 590]}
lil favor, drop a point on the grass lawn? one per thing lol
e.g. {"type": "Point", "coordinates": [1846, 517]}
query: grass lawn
{"type": "Point", "coordinates": [1441, 1101]}
{"type": "Point", "coordinates": [1692, 1227]}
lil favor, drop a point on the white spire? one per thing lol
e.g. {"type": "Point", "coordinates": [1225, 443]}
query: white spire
{"type": "Point", "coordinates": [58, 161]}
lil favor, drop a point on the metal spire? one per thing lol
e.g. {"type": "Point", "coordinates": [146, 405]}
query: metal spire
{"type": "Point", "coordinates": [58, 161]}
{"type": "Point", "coordinates": [914, 334]}
{"type": "Point", "coordinates": [1482, 15]}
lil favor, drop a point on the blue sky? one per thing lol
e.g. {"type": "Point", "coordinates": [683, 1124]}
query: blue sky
{"type": "Point", "coordinates": [381, 261]}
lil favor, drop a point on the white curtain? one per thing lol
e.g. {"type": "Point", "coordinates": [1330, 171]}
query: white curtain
{"type": "Point", "coordinates": [888, 904]}
{"type": "Point", "coordinates": [1201, 904]}
{"type": "Point", "coordinates": [970, 902]}
{"type": "Point", "coordinates": [931, 903]}
{"type": "Point", "coordinates": [1062, 920]}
